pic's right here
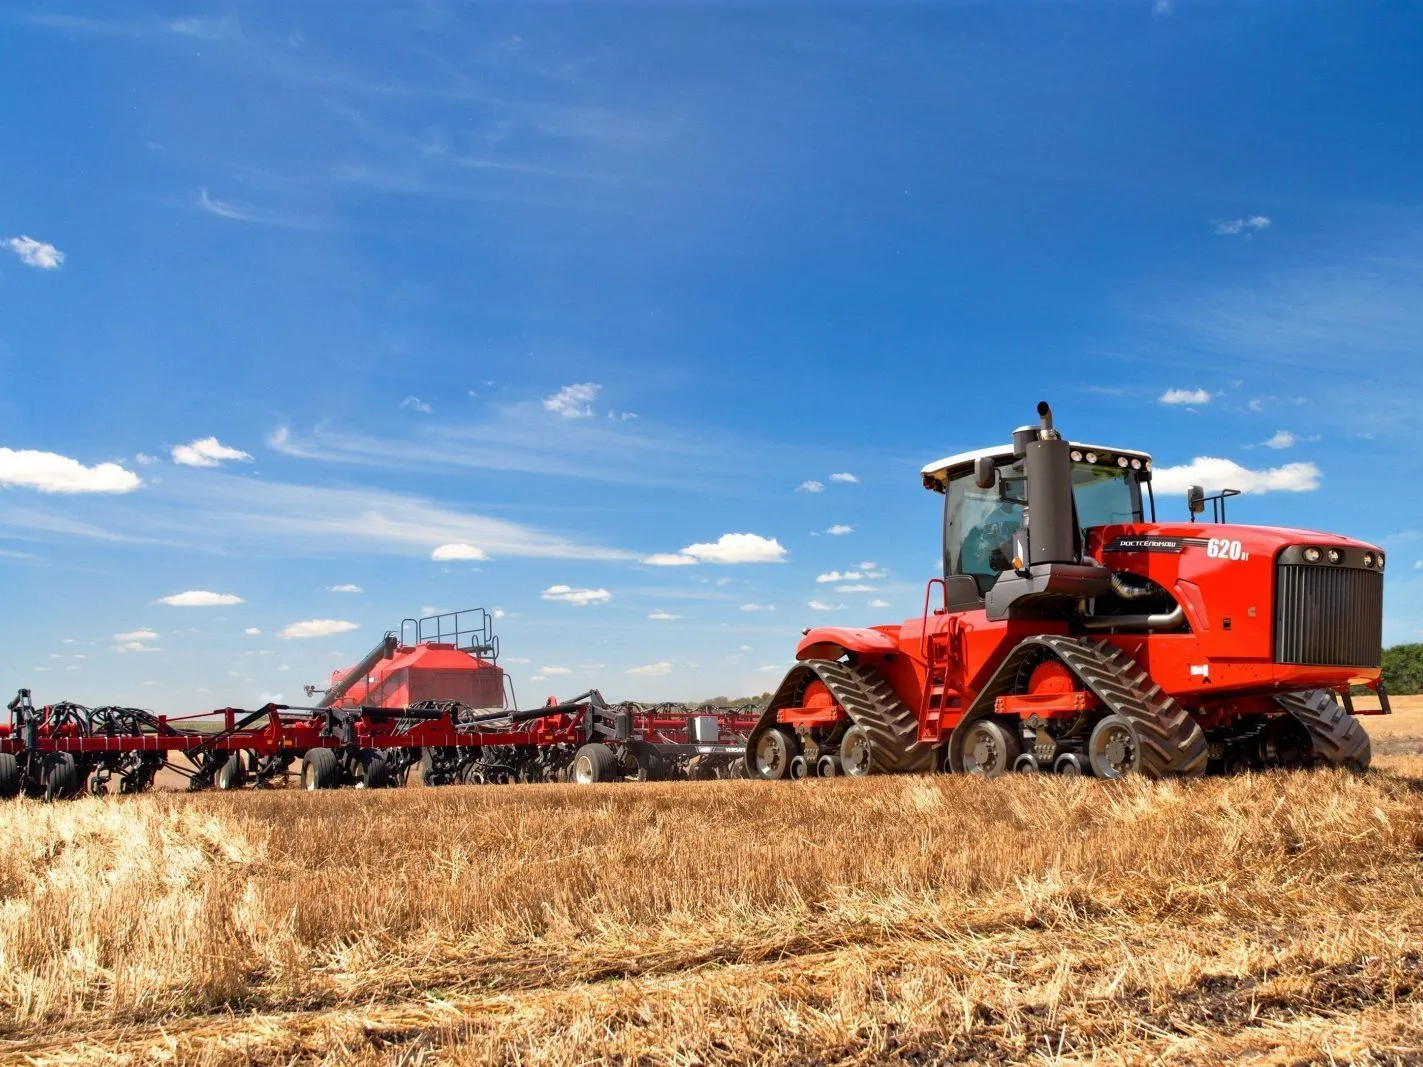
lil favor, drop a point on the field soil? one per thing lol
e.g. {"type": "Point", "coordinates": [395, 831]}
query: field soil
{"type": "Point", "coordinates": [1270, 919]}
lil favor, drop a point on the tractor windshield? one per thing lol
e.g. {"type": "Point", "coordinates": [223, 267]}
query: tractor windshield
{"type": "Point", "coordinates": [979, 523]}
{"type": "Point", "coordinates": [1105, 495]}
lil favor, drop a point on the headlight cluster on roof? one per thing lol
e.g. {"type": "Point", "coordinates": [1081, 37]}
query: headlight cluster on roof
{"type": "Point", "coordinates": [1136, 463]}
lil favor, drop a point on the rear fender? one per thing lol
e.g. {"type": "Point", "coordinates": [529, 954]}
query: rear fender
{"type": "Point", "coordinates": [831, 642]}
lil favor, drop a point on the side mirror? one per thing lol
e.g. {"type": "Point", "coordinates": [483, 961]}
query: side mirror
{"type": "Point", "coordinates": [1195, 501]}
{"type": "Point", "coordinates": [985, 472]}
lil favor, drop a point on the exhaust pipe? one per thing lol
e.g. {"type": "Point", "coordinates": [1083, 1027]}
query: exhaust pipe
{"type": "Point", "coordinates": [1166, 621]}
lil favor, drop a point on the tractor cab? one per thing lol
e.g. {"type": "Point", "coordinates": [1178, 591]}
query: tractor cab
{"type": "Point", "coordinates": [985, 497]}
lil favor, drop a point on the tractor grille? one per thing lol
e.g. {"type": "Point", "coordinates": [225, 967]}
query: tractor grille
{"type": "Point", "coordinates": [1328, 616]}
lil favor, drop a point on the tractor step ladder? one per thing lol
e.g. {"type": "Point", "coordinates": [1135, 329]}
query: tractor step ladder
{"type": "Point", "coordinates": [940, 698]}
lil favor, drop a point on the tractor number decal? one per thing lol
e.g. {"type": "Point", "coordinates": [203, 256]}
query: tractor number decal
{"type": "Point", "coordinates": [1224, 548]}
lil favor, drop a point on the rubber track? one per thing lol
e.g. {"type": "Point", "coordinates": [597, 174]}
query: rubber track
{"type": "Point", "coordinates": [1172, 743]}
{"type": "Point", "coordinates": [1339, 739]}
{"type": "Point", "coordinates": [869, 700]}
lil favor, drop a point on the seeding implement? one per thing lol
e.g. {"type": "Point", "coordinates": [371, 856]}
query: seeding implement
{"type": "Point", "coordinates": [430, 695]}
{"type": "Point", "coordinates": [1071, 633]}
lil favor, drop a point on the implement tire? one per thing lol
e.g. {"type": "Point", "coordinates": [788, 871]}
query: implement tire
{"type": "Point", "coordinates": [594, 763]}
{"type": "Point", "coordinates": [61, 776]}
{"type": "Point", "coordinates": [232, 774]}
{"type": "Point", "coordinates": [375, 770]}
{"type": "Point", "coordinates": [319, 770]}
{"type": "Point", "coordinates": [10, 779]}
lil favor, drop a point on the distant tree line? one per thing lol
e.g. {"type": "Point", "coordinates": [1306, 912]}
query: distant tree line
{"type": "Point", "coordinates": [1403, 669]}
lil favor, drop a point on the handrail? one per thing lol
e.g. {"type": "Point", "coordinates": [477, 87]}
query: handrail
{"type": "Point", "coordinates": [924, 619]}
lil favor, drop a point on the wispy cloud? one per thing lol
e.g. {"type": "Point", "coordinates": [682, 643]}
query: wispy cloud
{"type": "Point", "coordinates": [1237, 226]}
{"type": "Point", "coordinates": [346, 588]}
{"type": "Point", "coordinates": [844, 476]}
{"type": "Point", "coordinates": [36, 254]}
{"type": "Point", "coordinates": [652, 670]}
{"type": "Point", "coordinates": [258, 216]}
{"type": "Point", "coordinates": [573, 401]}
{"type": "Point", "coordinates": [207, 452]}
{"type": "Point", "coordinates": [1190, 397]}
{"type": "Point", "coordinates": [414, 403]}
{"type": "Point", "coordinates": [810, 487]}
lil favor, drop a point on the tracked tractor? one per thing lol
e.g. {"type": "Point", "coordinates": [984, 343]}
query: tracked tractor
{"type": "Point", "coordinates": [1072, 632]}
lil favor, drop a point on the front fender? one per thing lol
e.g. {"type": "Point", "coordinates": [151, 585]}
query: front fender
{"type": "Point", "coordinates": [829, 642]}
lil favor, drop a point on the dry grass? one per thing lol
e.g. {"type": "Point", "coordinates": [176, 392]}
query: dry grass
{"type": "Point", "coordinates": [1273, 918]}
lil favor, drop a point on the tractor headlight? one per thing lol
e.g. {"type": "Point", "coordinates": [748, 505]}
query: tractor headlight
{"type": "Point", "coordinates": [1313, 555]}
{"type": "Point", "coordinates": [1122, 461]}
{"type": "Point", "coordinates": [1136, 464]}
{"type": "Point", "coordinates": [1369, 559]}
{"type": "Point", "coordinates": [1380, 561]}
{"type": "Point", "coordinates": [1091, 457]}
{"type": "Point", "coordinates": [1335, 556]}
{"type": "Point", "coordinates": [1076, 456]}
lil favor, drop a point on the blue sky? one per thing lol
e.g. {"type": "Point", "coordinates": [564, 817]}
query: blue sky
{"type": "Point", "coordinates": [296, 297]}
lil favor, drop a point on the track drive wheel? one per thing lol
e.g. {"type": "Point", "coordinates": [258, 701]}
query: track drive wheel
{"type": "Point", "coordinates": [375, 770]}
{"type": "Point", "coordinates": [319, 770]}
{"type": "Point", "coordinates": [1113, 749]}
{"type": "Point", "coordinates": [989, 748]}
{"type": "Point", "coordinates": [595, 763]}
{"type": "Point", "coordinates": [775, 750]}
{"type": "Point", "coordinates": [857, 752]}
{"type": "Point", "coordinates": [232, 774]}
{"type": "Point", "coordinates": [60, 775]}
{"type": "Point", "coordinates": [10, 778]}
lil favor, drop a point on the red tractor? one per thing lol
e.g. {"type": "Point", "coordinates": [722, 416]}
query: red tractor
{"type": "Point", "coordinates": [1071, 634]}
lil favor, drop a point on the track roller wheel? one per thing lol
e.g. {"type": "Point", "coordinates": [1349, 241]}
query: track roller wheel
{"type": "Point", "coordinates": [828, 766]}
{"type": "Point", "coordinates": [375, 771]}
{"type": "Point", "coordinates": [775, 749]}
{"type": "Point", "coordinates": [989, 749]}
{"type": "Point", "coordinates": [1027, 763]}
{"type": "Point", "coordinates": [319, 770]}
{"type": "Point", "coordinates": [60, 775]}
{"type": "Point", "coordinates": [10, 779]}
{"type": "Point", "coordinates": [1069, 765]}
{"type": "Point", "coordinates": [857, 752]}
{"type": "Point", "coordinates": [737, 768]}
{"type": "Point", "coordinates": [800, 767]}
{"type": "Point", "coordinates": [232, 774]}
{"type": "Point", "coordinates": [595, 763]}
{"type": "Point", "coordinates": [1113, 749]}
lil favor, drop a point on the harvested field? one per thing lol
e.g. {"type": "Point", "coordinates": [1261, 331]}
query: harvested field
{"type": "Point", "coordinates": [1272, 918]}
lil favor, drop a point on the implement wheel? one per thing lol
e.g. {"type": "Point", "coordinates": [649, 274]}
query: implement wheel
{"type": "Point", "coordinates": [375, 771]}
{"type": "Point", "coordinates": [61, 776]}
{"type": "Point", "coordinates": [10, 780]}
{"type": "Point", "coordinates": [989, 749]}
{"type": "Point", "coordinates": [595, 763]}
{"type": "Point", "coordinates": [233, 773]}
{"type": "Point", "coordinates": [319, 770]}
{"type": "Point", "coordinates": [775, 750]}
{"type": "Point", "coordinates": [1113, 750]}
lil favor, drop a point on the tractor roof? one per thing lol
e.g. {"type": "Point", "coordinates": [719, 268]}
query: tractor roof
{"type": "Point", "coordinates": [937, 474]}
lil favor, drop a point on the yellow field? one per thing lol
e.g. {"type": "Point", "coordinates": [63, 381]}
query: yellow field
{"type": "Point", "coordinates": [1275, 918]}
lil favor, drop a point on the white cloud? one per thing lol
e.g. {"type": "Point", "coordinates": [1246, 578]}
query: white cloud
{"type": "Point", "coordinates": [1237, 226]}
{"type": "Point", "coordinates": [1282, 439]}
{"type": "Point", "coordinates": [37, 254]}
{"type": "Point", "coordinates": [143, 459]}
{"type": "Point", "coordinates": [344, 589]}
{"type": "Point", "coordinates": [817, 605]}
{"type": "Point", "coordinates": [414, 403]}
{"type": "Point", "coordinates": [136, 635]}
{"type": "Point", "coordinates": [810, 487]}
{"type": "Point", "coordinates": [1185, 396]}
{"type": "Point", "coordinates": [578, 597]}
{"type": "Point", "coordinates": [868, 573]}
{"type": "Point", "coordinates": [317, 628]}
{"type": "Point", "coordinates": [252, 631]}
{"type": "Point", "coordinates": [206, 452]}
{"type": "Point", "coordinates": [135, 646]}
{"type": "Point", "coordinates": [49, 472]}
{"type": "Point", "coordinates": [1213, 474]}
{"type": "Point", "coordinates": [652, 670]}
{"type": "Point", "coordinates": [497, 613]}
{"type": "Point", "coordinates": [758, 607]}
{"type": "Point", "coordinates": [854, 588]}
{"type": "Point", "coordinates": [622, 416]}
{"type": "Point", "coordinates": [662, 616]}
{"type": "Point", "coordinates": [669, 559]}
{"type": "Point", "coordinates": [843, 476]}
{"type": "Point", "coordinates": [1256, 405]}
{"type": "Point", "coordinates": [554, 670]}
{"type": "Point", "coordinates": [199, 598]}
{"type": "Point", "coordinates": [771, 667]}
{"type": "Point", "coordinates": [459, 551]}
{"type": "Point", "coordinates": [728, 548]}
{"type": "Point", "coordinates": [879, 603]}
{"type": "Point", "coordinates": [840, 529]}
{"type": "Point", "coordinates": [517, 659]}
{"type": "Point", "coordinates": [573, 401]}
